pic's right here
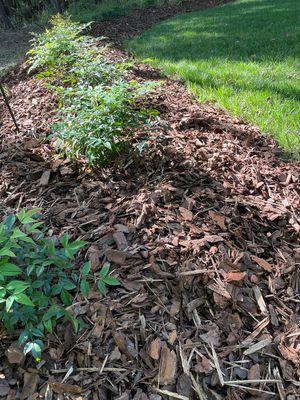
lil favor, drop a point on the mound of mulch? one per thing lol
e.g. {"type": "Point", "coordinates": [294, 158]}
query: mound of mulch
{"type": "Point", "coordinates": [132, 25]}
{"type": "Point", "coordinates": [201, 228]}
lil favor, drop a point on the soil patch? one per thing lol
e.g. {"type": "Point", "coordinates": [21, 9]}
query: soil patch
{"type": "Point", "coordinates": [13, 46]}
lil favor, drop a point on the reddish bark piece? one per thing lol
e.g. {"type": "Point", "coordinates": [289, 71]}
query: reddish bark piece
{"type": "Point", "coordinates": [125, 345]}
{"type": "Point", "coordinates": [15, 354]}
{"type": "Point", "coordinates": [62, 388]}
{"type": "Point", "coordinates": [116, 256]}
{"type": "Point", "coordinates": [175, 308]}
{"type": "Point", "coordinates": [262, 263]}
{"type": "Point", "coordinates": [154, 349]}
{"type": "Point", "coordinates": [254, 372]}
{"type": "Point", "coordinates": [204, 365]}
{"type": "Point", "coordinates": [31, 381]}
{"type": "Point", "coordinates": [235, 276]}
{"type": "Point", "coordinates": [218, 219]}
{"type": "Point", "coordinates": [45, 178]}
{"type": "Point", "coordinates": [168, 366]}
{"type": "Point", "coordinates": [120, 240]}
{"type": "Point", "coordinates": [94, 254]}
{"type": "Point", "coordinates": [186, 215]}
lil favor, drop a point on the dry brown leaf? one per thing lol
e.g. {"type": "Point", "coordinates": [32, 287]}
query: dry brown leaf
{"type": "Point", "coordinates": [168, 366]}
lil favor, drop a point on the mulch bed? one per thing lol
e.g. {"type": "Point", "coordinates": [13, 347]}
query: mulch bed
{"type": "Point", "coordinates": [202, 229]}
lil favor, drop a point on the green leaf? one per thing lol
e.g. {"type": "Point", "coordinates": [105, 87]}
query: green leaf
{"type": "Point", "coordinates": [37, 284]}
{"type": "Point", "coordinates": [86, 268]}
{"type": "Point", "coordinates": [10, 220]}
{"type": "Point", "coordinates": [23, 338]}
{"type": "Point", "coordinates": [65, 297]}
{"type": "Point", "coordinates": [39, 271]}
{"type": "Point", "coordinates": [37, 332]}
{"type": "Point", "coordinates": [17, 233]}
{"type": "Point", "coordinates": [27, 239]}
{"type": "Point", "coordinates": [105, 270]}
{"type": "Point", "coordinates": [10, 269]}
{"type": "Point", "coordinates": [50, 248]}
{"type": "Point", "coordinates": [2, 292]}
{"type": "Point", "coordinates": [76, 245]}
{"type": "Point", "coordinates": [48, 326]}
{"type": "Point", "coordinates": [111, 281]}
{"type": "Point", "coordinates": [84, 287]}
{"type": "Point", "coordinates": [17, 286]}
{"type": "Point", "coordinates": [101, 287]}
{"type": "Point", "coordinates": [33, 228]}
{"type": "Point", "coordinates": [74, 323]}
{"type": "Point", "coordinates": [64, 240]}
{"type": "Point", "coordinates": [6, 252]}
{"type": "Point", "coordinates": [25, 216]}
{"type": "Point", "coordinates": [36, 351]}
{"type": "Point", "coordinates": [67, 284]}
{"type": "Point", "coordinates": [56, 289]}
{"type": "Point", "coordinates": [28, 347]}
{"type": "Point", "coordinates": [23, 299]}
{"type": "Point", "coordinates": [9, 302]}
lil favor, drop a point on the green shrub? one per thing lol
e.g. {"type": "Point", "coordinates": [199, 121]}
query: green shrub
{"type": "Point", "coordinates": [94, 120]}
{"type": "Point", "coordinates": [96, 103]}
{"type": "Point", "coordinates": [37, 278]}
{"type": "Point", "coordinates": [56, 49]}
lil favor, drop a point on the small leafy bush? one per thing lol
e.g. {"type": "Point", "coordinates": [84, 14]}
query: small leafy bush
{"type": "Point", "coordinates": [102, 279]}
{"type": "Point", "coordinates": [37, 279]}
{"type": "Point", "coordinates": [94, 120]}
{"type": "Point", "coordinates": [57, 47]}
{"type": "Point", "coordinates": [96, 103]}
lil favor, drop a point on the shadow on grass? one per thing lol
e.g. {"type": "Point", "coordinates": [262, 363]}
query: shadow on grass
{"type": "Point", "coordinates": [242, 31]}
{"type": "Point", "coordinates": [242, 55]}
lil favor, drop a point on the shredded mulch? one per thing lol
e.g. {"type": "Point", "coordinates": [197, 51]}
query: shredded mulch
{"type": "Point", "coordinates": [200, 221]}
{"type": "Point", "coordinates": [202, 229]}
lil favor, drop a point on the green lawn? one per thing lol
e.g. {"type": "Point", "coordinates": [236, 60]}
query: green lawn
{"type": "Point", "coordinates": [243, 57]}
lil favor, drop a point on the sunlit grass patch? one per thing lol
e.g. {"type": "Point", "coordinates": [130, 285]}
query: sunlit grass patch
{"type": "Point", "coordinates": [243, 57]}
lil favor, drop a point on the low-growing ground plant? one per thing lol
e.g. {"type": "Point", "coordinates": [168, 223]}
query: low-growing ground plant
{"type": "Point", "coordinates": [38, 280]}
{"type": "Point", "coordinates": [96, 103]}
